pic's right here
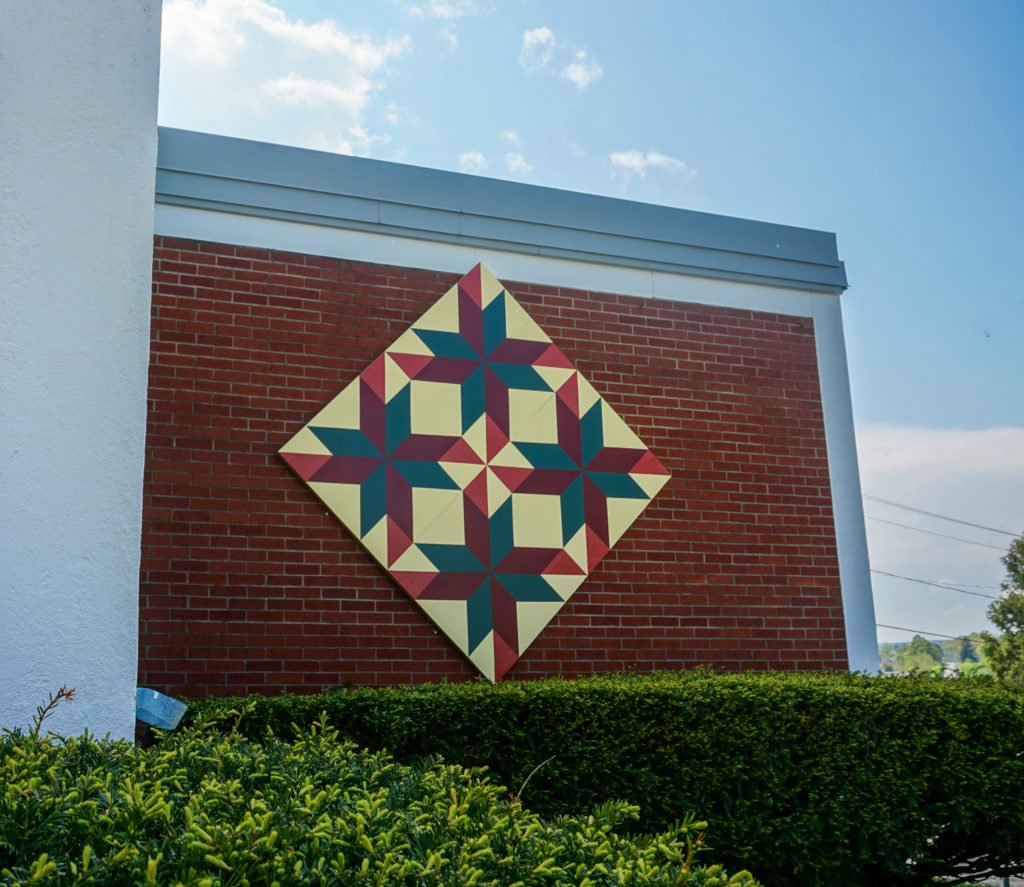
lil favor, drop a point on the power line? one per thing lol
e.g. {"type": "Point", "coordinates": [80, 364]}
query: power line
{"type": "Point", "coordinates": [893, 523]}
{"type": "Point", "coordinates": [934, 634]}
{"type": "Point", "coordinates": [954, 520]}
{"type": "Point", "coordinates": [935, 584]}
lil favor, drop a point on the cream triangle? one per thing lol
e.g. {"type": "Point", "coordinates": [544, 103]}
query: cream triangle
{"type": "Point", "coordinates": [476, 437]}
{"type": "Point", "coordinates": [650, 483]}
{"type": "Point", "coordinates": [519, 324]}
{"type": "Point", "coordinates": [564, 586]}
{"type": "Point", "coordinates": [497, 493]}
{"type": "Point", "coordinates": [576, 548]}
{"type": "Point", "coordinates": [482, 656]}
{"type": "Point", "coordinates": [395, 378]}
{"type": "Point", "coordinates": [463, 473]}
{"type": "Point", "coordinates": [409, 343]}
{"type": "Point", "coordinates": [449, 617]}
{"type": "Point", "coordinates": [617, 433]}
{"type": "Point", "coordinates": [376, 541]}
{"type": "Point", "coordinates": [490, 286]}
{"type": "Point", "coordinates": [532, 617]}
{"type": "Point", "coordinates": [621, 514]}
{"type": "Point", "coordinates": [343, 500]}
{"type": "Point", "coordinates": [412, 560]}
{"type": "Point", "coordinates": [305, 441]}
{"type": "Point", "coordinates": [555, 377]}
{"type": "Point", "coordinates": [342, 411]}
{"type": "Point", "coordinates": [443, 315]}
{"type": "Point", "coordinates": [510, 457]}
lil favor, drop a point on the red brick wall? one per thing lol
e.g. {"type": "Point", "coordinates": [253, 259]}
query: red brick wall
{"type": "Point", "coordinates": [249, 585]}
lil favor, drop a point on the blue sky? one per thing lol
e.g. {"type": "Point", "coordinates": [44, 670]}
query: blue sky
{"type": "Point", "coordinates": [896, 125]}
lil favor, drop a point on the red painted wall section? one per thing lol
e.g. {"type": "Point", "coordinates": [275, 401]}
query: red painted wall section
{"type": "Point", "coordinates": [248, 584]}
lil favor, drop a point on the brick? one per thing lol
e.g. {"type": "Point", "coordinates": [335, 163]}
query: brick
{"type": "Point", "coordinates": [247, 585]}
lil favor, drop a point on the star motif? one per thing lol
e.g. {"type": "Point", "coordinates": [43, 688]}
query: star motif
{"type": "Point", "coordinates": [480, 469]}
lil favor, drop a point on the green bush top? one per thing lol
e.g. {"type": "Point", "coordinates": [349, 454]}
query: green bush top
{"type": "Point", "coordinates": [209, 808]}
{"type": "Point", "coordinates": [809, 778]}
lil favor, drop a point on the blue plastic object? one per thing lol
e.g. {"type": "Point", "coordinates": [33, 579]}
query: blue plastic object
{"type": "Point", "coordinates": [158, 710]}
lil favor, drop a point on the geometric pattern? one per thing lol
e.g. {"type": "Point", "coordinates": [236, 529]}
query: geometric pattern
{"type": "Point", "coordinates": [480, 469]}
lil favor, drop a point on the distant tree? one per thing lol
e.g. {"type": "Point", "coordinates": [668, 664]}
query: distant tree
{"type": "Point", "coordinates": [972, 662]}
{"type": "Point", "coordinates": [887, 656]}
{"type": "Point", "coordinates": [1013, 560]}
{"type": "Point", "coordinates": [1005, 653]}
{"type": "Point", "coordinates": [969, 668]}
{"type": "Point", "coordinates": [920, 655]}
{"type": "Point", "coordinates": [965, 649]}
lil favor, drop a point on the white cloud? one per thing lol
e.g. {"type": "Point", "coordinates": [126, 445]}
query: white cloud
{"type": "Point", "coordinates": [638, 163]}
{"type": "Point", "coordinates": [201, 33]}
{"type": "Point", "coordinates": [512, 138]}
{"type": "Point", "coordinates": [538, 47]}
{"type": "Point", "coordinates": [517, 165]}
{"type": "Point", "coordinates": [896, 448]}
{"type": "Point", "coordinates": [574, 149]}
{"type": "Point", "coordinates": [475, 163]}
{"type": "Point", "coordinates": [396, 116]}
{"type": "Point", "coordinates": [446, 10]}
{"type": "Point", "coordinates": [348, 140]}
{"type": "Point", "coordinates": [295, 90]}
{"type": "Point", "coordinates": [215, 30]}
{"type": "Point", "coordinates": [582, 71]}
{"type": "Point", "coordinates": [972, 475]}
{"type": "Point", "coordinates": [243, 67]}
{"type": "Point", "coordinates": [472, 162]}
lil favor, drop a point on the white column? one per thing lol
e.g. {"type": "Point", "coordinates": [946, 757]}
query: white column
{"type": "Point", "coordinates": [847, 505]}
{"type": "Point", "coordinates": [78, 108]}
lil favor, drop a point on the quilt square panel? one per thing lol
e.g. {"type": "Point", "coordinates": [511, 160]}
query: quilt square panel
{"type": "Point", "coordinates": [482, 471]}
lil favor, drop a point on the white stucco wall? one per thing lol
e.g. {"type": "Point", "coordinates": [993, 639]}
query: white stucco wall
{"type": "Point", "coordinates": [78, 107]}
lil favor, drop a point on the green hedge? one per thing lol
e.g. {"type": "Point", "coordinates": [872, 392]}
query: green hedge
{"type": "Point", "coordinates": [809, 779]}
{"type": "Point", "coordinates": [205, 809]}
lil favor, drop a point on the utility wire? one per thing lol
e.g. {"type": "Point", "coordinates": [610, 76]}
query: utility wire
{"type": "Point", "coordinates": [935, 584]}
{"type": "Point", "coordinates": [893, 523]}
{"type": "Point", "coordinates": [934, 634]}
{"type": "Point", "coordinates": [954, 520]}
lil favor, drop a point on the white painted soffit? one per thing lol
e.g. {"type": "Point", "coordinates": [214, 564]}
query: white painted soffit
{"type": "Point", "coordinates": [240, 177]}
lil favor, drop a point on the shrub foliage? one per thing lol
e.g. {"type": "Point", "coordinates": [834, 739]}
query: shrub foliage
{"type": "Point", "coordinates": [207, 808]}
{"type": "Point", "coordinates": [808, 779]}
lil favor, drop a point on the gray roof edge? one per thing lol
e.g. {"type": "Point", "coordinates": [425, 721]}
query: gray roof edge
{"type": "Point", "coordinates": [257, 178]}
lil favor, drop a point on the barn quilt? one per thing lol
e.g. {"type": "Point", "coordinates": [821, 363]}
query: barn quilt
{"type": "Point", "coordinates": [480, 468]}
